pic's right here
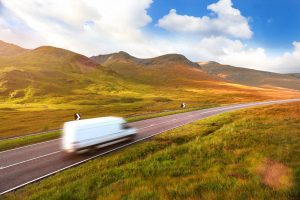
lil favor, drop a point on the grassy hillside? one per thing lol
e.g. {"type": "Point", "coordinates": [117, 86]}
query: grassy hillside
{"type": "Point", "coordinates": [168, 70]}
{"type": "Point", "coordinates": [297, 75]}
{"type": "Point", "coordinates": [10, 49]}
{"type": "Point", "coordinates": [248, 154]}
{"type": "Point", "coordinates": [42, 88]}
{"type": "Point", "coordinates": [250, 77]}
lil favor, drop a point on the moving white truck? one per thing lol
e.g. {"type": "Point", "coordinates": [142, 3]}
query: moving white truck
{"type": "Point", "coordinates": [83, 134]}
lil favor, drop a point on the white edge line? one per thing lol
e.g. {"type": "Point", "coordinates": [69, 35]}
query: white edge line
{"type": "Point", "coordinates": [104, 153]}
{"type": "Point", "coordinates": [29, 145]}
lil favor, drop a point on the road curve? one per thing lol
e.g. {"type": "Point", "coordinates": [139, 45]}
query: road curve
{"type": "Point", "coordinates": [21, 166]}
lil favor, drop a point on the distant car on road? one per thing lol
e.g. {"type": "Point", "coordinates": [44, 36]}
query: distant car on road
{"type": "Point", "coordinates": [87, 133]}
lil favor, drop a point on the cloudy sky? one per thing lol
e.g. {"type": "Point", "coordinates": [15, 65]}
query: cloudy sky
{"type": "Point", "coordinates": [256, 34]}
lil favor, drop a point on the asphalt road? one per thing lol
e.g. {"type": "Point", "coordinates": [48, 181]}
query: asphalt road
{"type": "Point", "coordinates": [21, 166]}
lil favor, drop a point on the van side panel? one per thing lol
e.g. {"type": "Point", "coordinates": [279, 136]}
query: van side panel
{"type": "Point", "coordinates": [85, 133]}
{"type": "Point", "coordinates": [92, 135]}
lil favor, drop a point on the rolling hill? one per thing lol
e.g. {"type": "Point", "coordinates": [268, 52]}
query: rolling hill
{"type": "Point", "coordinates": [170, 69]}
{"type": "Point", "coordinates": [297, 75]}
{"type": "Point", "coordinates": [169, 66]}
{"type": "Point", "coordinates": [7, 49]}
{"type": "Point", "coordinates": [42, 88]}
{"type": "Point", "coordinates": [43, 71]}
{"type": "Point", "coordinates": [251, 77]}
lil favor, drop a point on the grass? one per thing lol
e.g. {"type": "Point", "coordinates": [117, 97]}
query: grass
{"type": "Point", "coordinates": [247, 154]}
{"type": "Point", "coordinates": [154, 115]}
{"type": "Point", "coordinates": [21, 118]}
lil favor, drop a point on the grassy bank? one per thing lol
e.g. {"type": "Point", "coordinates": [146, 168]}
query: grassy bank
{"type": "Point", "coordinates": [249, 154]}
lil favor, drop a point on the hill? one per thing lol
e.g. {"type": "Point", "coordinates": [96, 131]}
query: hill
{"type": "Point", "coordinates": [170, 69]}
{"type": "Point", "coordinates": [250, 77]}
{"type": "Point", "coordinates": [42, 88]}
{"type": "Point", "coordinates": [297, 75]}
{"type": "Point", "coordinates": [43, 71]}
{"type": "Point", "coordinates": [7, 49]}
{"type": "Point", "coordinates": [160, 60]}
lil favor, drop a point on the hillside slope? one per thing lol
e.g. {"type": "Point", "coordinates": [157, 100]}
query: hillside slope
{"type": "Point", "coordinates": [43, 71]}
{"type": "Point", "coordinates": [7, 49]}
{"type": "Point", "coordinates": [297, 75]}
{"type": "Point", "coordinates": [169, 69]}
{"type": "Point", "coordinates": [251, 77]}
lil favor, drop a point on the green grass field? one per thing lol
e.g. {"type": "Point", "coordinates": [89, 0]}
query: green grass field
{"type": "Point", "coordinates": [247, 154]}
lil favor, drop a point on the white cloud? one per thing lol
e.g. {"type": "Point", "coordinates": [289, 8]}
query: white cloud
{"type": "Point", "coordinates": [228, 21]}
{"type": "Point", "coordinates": [257, 58]}
{"type": "Point", "coordinates": [93, 27]}
{"type": "Point", "coordinates": [86, 26]}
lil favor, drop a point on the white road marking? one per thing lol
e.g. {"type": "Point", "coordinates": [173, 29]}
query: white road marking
{"type": "Point", "coordinates": [28, 146]}
{"type": "Point", "coordinates": [29, 160]}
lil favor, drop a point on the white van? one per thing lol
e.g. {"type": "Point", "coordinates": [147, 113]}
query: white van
{"type": "Point", "coordinates": [82, 134]}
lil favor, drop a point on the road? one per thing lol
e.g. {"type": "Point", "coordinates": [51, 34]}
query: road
{"type": "Point", "coordinates": [21, 166]}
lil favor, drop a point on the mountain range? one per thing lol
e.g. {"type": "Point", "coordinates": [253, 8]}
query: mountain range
{"type": "Point", "coordinates": [201, 70]}
{"type": "Point", "coordinates": [251, 77]}
{"type": "Point", "coordinates": [54, 71]}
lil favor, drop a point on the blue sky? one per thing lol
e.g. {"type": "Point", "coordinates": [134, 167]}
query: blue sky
{"type": "Point", "coordinates": [275, 23]}
{"type": "Point", "coordinates": [258, 34]}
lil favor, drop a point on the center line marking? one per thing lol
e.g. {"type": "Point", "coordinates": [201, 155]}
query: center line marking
{"type": "Point", "coordinates": [175, 119]}
{"type": "Point", "coordinates": [29, 160]}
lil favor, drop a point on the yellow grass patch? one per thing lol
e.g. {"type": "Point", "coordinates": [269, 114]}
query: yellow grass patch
{"type": "Point", "coordinates": [275, 175]}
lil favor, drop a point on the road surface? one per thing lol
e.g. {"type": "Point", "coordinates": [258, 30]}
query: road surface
{"type": "Point", "coordinates": [21, 166]}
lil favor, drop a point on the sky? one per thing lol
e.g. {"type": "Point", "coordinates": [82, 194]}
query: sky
{"type": "Point", "coordinates": [258, 34]}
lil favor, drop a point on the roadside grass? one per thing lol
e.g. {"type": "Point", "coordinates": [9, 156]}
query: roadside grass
{"type": "Point", "coordinates": [162, 114]}
{"type": "Point", "coordinates": [247, 154]}
{"type": "Point", "coordinates": [27, 140]}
